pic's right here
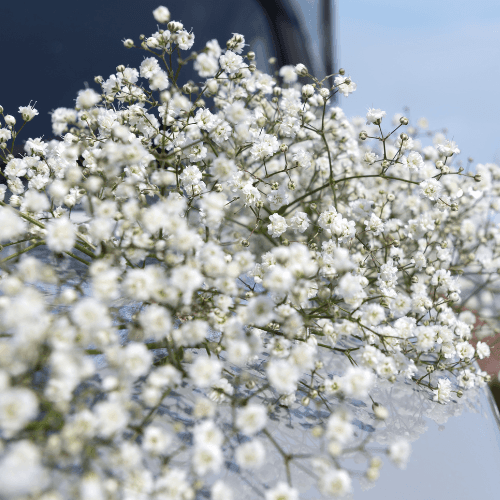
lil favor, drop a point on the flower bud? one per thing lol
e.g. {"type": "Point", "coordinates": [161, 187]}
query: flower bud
{"type": "Point", "coordinates": [251, 55]}
{"type": "Point", "coordinates": [128, 43]}
{"type": "Point", "coordinates": [305, 401]}
{"type": "Point", "coordinates": [120, 68]}
{"type": "Point", "coordinates": [261, 121]}
{"type": "Point", "coordinates": [252, 67]}
{"type": "Point", "coordinates": [363, 135]}
{"type": "Point", "coordinates": [342, 71]}
{"type": "Point", "coordinates": [250, 384]}
{"type": "Point", "coordinates": [403, 120]}
{"type": "Point", "coordinates": [9, 120]}
{"type": "Point", "coordinates": [403, 137]}
{"type": "Point", "coordinates": [174, 26]}
{"type": "Point", "coordinates": [477, 177]}
{"type": "Point", "coordinates": [380, 411]}
{"type": "Point", "coordinates": [245, 243]}
{"type": "Point", "coordinates": [430, 270]}
{"type": "Point", "coordinates": [460, 393]}
{"type": "Point", "coordinates": [218, 188]}
{"type": "Point", "coordinates": [301, 70]}
{"type": "Point", "coordinates": [272, 60]}
{"type": "Point", "coordinates": [1, 110]}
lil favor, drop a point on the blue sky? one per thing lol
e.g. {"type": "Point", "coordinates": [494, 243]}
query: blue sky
{"type": "Point", "coordinates": [440, 58]}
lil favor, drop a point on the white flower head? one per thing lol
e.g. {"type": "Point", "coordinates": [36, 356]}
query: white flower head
{"type": "Point", "coordinates": [205, 371]}
{"type": "Point", "coordinates": [27, 112]}
{"type": "Point", "coordinates": [443, 392]}
{"type": "Point", "coordinates": [61, 235]}
{"type": "Point", "coordinates": [87, 98]}
{"type": "Point", "coordinates": [449, 148]}
{"type": "Point", "coordinates": [251, 454]}
{"type": "Point", "coordinates": [431, 189]}
{"type": "Point", "coordinates": [282, 492]}
{"type": "Point", "coordinates": [161, 14]}
{"type": "Point", "coordinates": [231, 62]}
{"type": "Point", "coordinates": [374, 116]}
{"type": "Point", "coordinates": [399, 453]}
{"type": "Point", "coordinates": [278, 225]}
{"type": "Point", "coordinates": [414, 161]}
{"type": "Point", "coordinates": [288, 74]}
{"type": "Point", "coordinates": [251, 419]}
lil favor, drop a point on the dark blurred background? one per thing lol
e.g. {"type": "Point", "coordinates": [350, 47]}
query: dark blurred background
{"type": "Point", "coordinates": [51, 49]}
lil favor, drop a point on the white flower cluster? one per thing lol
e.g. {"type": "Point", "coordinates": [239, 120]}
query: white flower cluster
{"type": "Point", "coordinates": [273, 258]}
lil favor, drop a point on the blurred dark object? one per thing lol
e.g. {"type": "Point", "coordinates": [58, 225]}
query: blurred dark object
{"type": "Point", "coordinates": [49, 54]}
{"type": "Point", "coordinates": [495, 391]}
{"type": "Point", "coordinates": [287, 32]}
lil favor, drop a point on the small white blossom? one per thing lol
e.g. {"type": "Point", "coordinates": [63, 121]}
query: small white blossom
{"type": "Point", "coordinates": [278, 225]}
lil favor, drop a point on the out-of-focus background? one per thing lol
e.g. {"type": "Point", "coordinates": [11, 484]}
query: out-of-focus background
{"type": "Point", "coordinates": [441, 58]}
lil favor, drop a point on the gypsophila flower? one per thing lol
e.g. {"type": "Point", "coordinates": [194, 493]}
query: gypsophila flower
{"type": "Point", "coordinates": [27, 112]}
{"type": "Point", "coordinates": [483, 350]}
{"type": "Point", "coordinates": [288, 74]}
{"type": "Point", "coordinates": [335, 482]}
{"type": "Point", "coordinates": [449, 148]}
{"type": "Point", "coordinates": [231, 62]}
{"type": "Point", "coordinates": [87, 98]}
{"type": "Point", "coordinates": [282, 492]}
{"type": "Point", "coordinates": [443, 392]}
{"type": "Point", "coordinates": [61, 235]}
{"type": "Point", "coordinates": [251, 419]}
{"type": "Point", "coordinates": [414, 161]}
{"type": "Point", "coordinates": [345, 85]}
{"type": "Point", "coordinates": [431, 189]}
{"type": "Point", "coordinates": [278, 225]}
{"type": "Point", "coordinates": [374, 116]}
{"type": "Point", "coordinates": [161, 14]}
{"type": "Point", "coordinates": [174, 325]}
{"type": "Point", "coordinates": [250, 455]}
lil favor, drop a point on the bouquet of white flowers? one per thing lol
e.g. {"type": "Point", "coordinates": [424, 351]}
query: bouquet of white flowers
{"type": "Point", "coordinates": [194, 264]}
